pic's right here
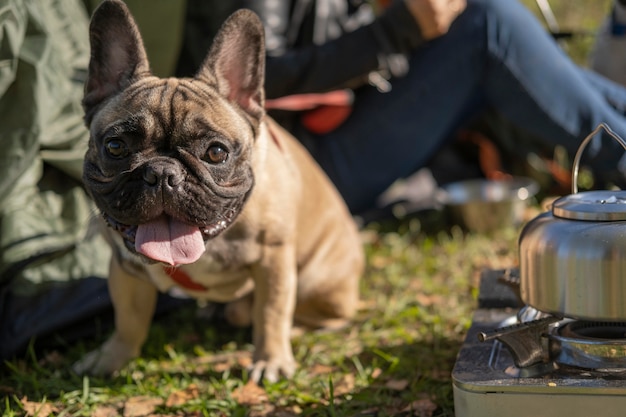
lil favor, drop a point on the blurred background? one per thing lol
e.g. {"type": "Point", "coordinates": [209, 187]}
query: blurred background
{"type": "Point", "coordinates": [580, 18]}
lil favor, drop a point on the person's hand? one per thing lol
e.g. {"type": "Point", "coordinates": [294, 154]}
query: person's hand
{"type": "Point", "coordinates": [435, 16]}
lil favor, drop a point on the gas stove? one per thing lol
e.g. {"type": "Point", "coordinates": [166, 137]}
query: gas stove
{"type": "Point", "coordinates": [517, 361]}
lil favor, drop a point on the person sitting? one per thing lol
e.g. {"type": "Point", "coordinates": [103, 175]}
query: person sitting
{"type": "Point", "coordinates": [420, 70]}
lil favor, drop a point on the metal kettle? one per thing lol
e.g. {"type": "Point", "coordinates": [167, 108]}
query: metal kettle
{"type": "Point", "coordinates": [573, 257]}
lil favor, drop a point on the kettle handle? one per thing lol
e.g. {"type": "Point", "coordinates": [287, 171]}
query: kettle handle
{"type": "Point", "coordinates": [582, 146]}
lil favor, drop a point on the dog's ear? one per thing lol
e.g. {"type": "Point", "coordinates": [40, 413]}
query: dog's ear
{"type": "Point", "coordinates": [118, 57]}
{"type": "Point", "coordinates": [236, 62]}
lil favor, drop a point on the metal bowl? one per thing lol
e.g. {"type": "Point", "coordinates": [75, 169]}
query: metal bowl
{"type": "Point", "coordinates": [482, 205]}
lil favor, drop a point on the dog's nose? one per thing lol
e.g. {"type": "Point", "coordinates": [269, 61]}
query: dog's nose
{"type": "Point", "coordinates": [165, 175]}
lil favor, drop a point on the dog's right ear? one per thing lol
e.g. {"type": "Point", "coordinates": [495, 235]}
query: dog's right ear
{"type": "Point", "coordinates": [236, 62]}
{"type": "Point", "coordinates": [118, 57]}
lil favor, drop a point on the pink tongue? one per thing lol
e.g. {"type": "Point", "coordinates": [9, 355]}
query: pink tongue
{"type": "Point", "coordinates": [169, 240]}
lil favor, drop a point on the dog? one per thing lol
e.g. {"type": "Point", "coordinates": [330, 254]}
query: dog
{"type": "Point", "coordinates": [201, 191]}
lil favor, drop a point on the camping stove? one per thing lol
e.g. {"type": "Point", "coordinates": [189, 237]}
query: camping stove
{"type": "Point", "coordinates": [555, 344]}
{"type": "Point", "coordinates": [517, 361]}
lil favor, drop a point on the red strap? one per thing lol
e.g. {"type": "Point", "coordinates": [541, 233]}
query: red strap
{"type": "Point", "coordinates": [310, 101]}
{"type": "Point", "coordinates": [322, 113]}
{"type": "Point", "coordinates": [181, 278]}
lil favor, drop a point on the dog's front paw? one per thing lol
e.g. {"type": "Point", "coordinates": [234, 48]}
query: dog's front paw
{"type": "Point", "coordinates": [272, 369]}
{"type": "Point", "coordinates": [108, 359]}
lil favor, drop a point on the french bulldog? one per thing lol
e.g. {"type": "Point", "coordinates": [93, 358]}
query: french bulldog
{"type": "Point", "coordinates": [202, 191]}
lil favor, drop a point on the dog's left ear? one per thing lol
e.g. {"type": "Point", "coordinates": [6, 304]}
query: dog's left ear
{"type": "Point", "coordinates": [118, 57]}
{"type": "Point", "coordinates": [236, 62]}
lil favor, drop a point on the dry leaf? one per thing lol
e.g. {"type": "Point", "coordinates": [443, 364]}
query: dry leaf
{"type": "Point", "coordinates": [264, 410]}
{"type": "Point", "coordinates": [250, 394]}
{"type": "Point", "coordinates": [244, 361]}
{"type": "Point", "coordinates": [105, 411]}
{"type": "Point", "coordinates": [345, 385]}
{"type": "Point", "coordinates": [428, 300]}
{"type": "Point", "coordinates": [38, 409]}
{"type": "Point", "coordinates": [376, 372]}
{"type": "Point", "coordinates": [179, 414]}
{"type": "Point", "coordinates": [141, 406]}
{"type": "Point", "coordinates": [181, 397]}
{"type": "Point", "coordinates": [421, 408]}
{"type": "Point", "coordinates": [397, 384]}
{"type": "Point", "coordinates": [222, 366]}
{"type": "Point", "coordinates": [380, 262]}
{"type": "Point", "coordinates": [286, 412]}
{"type": "Point", "coordinates": [319, 369]}
{"type": "Point", "coordinates": [178, 398]}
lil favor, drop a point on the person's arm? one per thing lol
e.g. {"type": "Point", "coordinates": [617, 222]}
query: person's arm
{"type": "Point", "coordinates": [347, 60]}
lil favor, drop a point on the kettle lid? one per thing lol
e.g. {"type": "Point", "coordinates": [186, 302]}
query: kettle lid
{"type": "Point", "coordinates": [598, 206]}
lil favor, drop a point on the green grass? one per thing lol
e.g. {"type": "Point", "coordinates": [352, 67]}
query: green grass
{"type": "Point", "coordinates": [418, 294]}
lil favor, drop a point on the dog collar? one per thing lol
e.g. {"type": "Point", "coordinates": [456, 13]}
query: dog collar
{"type": "Point", "coordinates": [183, 279]}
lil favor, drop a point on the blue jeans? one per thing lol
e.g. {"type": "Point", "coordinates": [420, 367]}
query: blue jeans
{"type": "Point", "coordinates": [496, 55]}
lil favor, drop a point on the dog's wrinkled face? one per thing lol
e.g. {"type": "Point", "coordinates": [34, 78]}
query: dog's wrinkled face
{"type": "Point", "coordinates": [169, 162]}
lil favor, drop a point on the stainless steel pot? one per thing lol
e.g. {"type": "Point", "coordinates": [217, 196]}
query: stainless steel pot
{"type": "Point", "coordinates": [573, 257]}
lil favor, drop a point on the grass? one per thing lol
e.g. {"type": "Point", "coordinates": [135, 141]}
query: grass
{"type": "Point", "coordinates": [418, 294]}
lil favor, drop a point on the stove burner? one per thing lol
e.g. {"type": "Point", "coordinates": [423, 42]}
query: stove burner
{"type": "Point", "coordinates": [595, 330]}
{"type": "Point", "coordinates": [487, 379]}
{"type": "Point", "coordinates": [593, 345]}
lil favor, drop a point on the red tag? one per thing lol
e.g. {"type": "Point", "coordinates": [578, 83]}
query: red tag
{"type": "Point", "coordinates": [183, 279]}
{"type": "Point", "coordinates": [325, 119]}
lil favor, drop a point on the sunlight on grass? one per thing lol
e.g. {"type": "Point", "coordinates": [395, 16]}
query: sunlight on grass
{"type": "Point", "coordinates": [417, 298]}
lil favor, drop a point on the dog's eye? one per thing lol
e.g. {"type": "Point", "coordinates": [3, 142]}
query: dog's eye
{"type": "Point", "coordinates": [216, 154]}
{"type": "Point", "coordinates": [116, 148]}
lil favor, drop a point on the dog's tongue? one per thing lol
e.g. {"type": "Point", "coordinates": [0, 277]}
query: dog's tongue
{"type": "Point", "coordinates": [169, 240]}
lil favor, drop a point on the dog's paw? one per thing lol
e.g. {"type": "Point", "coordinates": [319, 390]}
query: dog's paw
{"type": "Point", "coordinates": [272, 370]}
{"type": "Point", "coordinates": [108, 359]}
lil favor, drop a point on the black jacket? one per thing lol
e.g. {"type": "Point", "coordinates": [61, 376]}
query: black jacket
{"type": "Point", "coordinates": [312, 45]}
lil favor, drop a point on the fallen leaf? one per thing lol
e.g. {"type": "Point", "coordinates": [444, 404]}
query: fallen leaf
{"type": "Point", "coordinates": [421, 408]}
{"type": "Point", "coordinates": [428, 300]}
{"type": "Point", "coordinates": [222, 366]}
{"type": "Point", "coordinates": [380, 262]}
{"type": "Point", "coordinates": [180, 397]}
{"type": "Point", "coordinates": [264, 410]}
{"type": "Point", "coordinates": [286, 412]}
{"type": "Point", "coordinates": [319, 369]}
{"type": "Point", "coordinates": [244, 361]}
{"type": "Point", "coordinates": [141, 406]}
{"type": "Point", "coordinates": [39, 409]}
{"type": "Point", "coordinates": [397, 384]}
{"type": "Point", "coordinates": [250, 394]}
{"type": "Point", "coordinates": [180, 414]}
{"type": "Point", "coordinates": [344, 385]}
{"type": "Point", "coordinates": [105, 411]}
